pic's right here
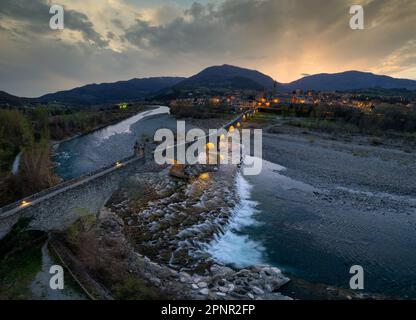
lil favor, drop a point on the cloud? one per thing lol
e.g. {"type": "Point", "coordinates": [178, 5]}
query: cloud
{"type": "Point", "coordinates": [109, 40]}
{"type": "Point", "coordinates": [31, 18]}
{"type": "Point", "coordinates": [301, 30]}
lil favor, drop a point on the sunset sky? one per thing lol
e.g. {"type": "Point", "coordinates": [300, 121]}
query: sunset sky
{"type": "Point", "coordinates": [111, 40]}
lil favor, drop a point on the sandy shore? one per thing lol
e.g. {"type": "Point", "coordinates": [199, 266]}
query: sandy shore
{"type": "Point", "coordinates": [374, 172]}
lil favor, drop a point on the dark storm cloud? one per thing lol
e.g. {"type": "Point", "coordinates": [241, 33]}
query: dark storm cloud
{"type": "Point", "coordinates": [237, 24]}
{"type": "Point", "coordinates": [78, 21]}
{"type": "Point", "coordinates": [33, 18]}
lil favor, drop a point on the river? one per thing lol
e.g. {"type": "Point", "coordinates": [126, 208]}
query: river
{"type": "Point", "coordinates": [318, 232]}
{"type": "Point", "coordinates": [103, 147]}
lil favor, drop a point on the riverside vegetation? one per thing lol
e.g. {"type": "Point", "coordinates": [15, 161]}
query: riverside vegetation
{"type": "Point", "coordinates": [201, 112]}
{"type": "Point", "coordinates": [384, 120]}
{"type": "Point", "coordinates": [31, 131]}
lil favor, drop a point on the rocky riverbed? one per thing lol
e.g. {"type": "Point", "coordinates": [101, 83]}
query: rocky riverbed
{"type": "Point", "coordinates": [156, 228]}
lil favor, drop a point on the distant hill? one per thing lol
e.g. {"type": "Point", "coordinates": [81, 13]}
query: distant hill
{"type": "Point", "coordinates": [212, 80]}
{"type": "Point", "coordinates": [94, 94]}
{"type": "Point", "coordinates": [11, 100]}
{"type": "Point", "coordinates": [349, 80]}
{"type": "Point", "coordinates": [227, 77]}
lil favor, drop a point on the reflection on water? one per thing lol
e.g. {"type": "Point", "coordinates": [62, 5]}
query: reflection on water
{"type": "Point", "coordinates": [101, 148]}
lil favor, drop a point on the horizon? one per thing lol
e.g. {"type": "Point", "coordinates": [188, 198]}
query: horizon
{"type": "Point", "coordinates": [108, 41]}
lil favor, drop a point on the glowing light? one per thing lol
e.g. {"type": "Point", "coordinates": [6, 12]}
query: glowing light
{"type": "Point", "coordinates": [210, 146]}
{"type": "Point", "coordinates": [268, 104]}
{"type": "Point", "coordinates": [231, 129]}
{"type": "Point", "coordinates": [238, 124]}
{"type": "Point", "coordinates": [204, 176]}
{"type": "Point", "coordinates": [25, 203]}
{"type": "Point", "coordinates": [118, 164]}
{"type": "Point", "coordinates": [222, 137]}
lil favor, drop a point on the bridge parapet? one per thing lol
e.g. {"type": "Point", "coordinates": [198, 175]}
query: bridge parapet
{"type": "Point", "coordinates": [27, 200]}
{"type": "Point", "coordinates": [57, 207]}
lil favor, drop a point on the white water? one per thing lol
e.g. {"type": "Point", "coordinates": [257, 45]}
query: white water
{"type": "Point", "coordinates": [16, 164]}
{"type": "Point", "coordinates": [235, 248]}
{"type": "Point", "coordinates": [125, 126]}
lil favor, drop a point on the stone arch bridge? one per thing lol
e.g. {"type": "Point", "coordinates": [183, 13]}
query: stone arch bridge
{"type": "Point", "coordinates": [58, 207]}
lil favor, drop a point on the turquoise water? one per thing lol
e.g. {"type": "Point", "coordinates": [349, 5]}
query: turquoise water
{"type": "Point", "coordinates": [103, 147]}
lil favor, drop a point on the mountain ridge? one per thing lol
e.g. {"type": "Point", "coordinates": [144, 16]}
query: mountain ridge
{"type": "Point", "coordinates": [227, 71]}
{"type": "Point", "coordinates": [112, 92]}
{"type": "Point", "coordinates": [212, 80]}
{"type": "Point", "coordinates": [349, 80]}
